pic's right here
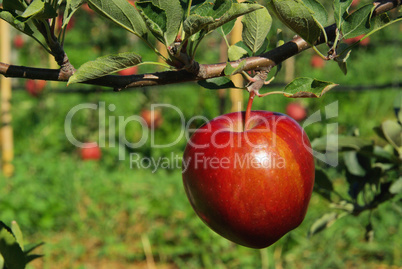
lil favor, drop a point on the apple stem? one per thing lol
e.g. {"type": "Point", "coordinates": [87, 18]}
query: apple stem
{"type": "Point", "coordinates": [248, 110]}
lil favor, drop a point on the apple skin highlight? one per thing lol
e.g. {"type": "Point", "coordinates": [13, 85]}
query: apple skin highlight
{"type": "Point", "coordinates": [253, 186]}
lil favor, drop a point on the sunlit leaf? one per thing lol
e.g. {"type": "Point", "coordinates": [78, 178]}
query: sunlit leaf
{"type": "Point", "coordinates": [352, 164]}
{"type": "Point", "coordinates": [122, 13]}
{"type": "Point", "coordinates": [396, 187]}
{"type": "Point", "coordinates": [104, 66]}
{"type": "Point", "coordinates": [307, 88]}
{"type": "Point", "coordinates": [38, 9]}
{"type": "Point", "coordinates": [235, 53]}
{"type": "Point", "coordinates": [15, 228]}
{"type": "Point", "coordinates": [298, 17]}
{"type": "Point", "coordinates": [256, 26]}
{"type": "Point", "coordinates": [324, 222]}
{"type": "Point", "coordinates": [230, 70]}
{"type": "Point", "coordinates": [163, 18]}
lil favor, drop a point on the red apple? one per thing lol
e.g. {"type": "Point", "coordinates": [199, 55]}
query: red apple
{"type": "Point", "coordinates": [297, 111]}
{"type": "Point", "coordinates": [35, 87]}
{"type": "Point", "coordinates": [317, 62]}
{"type": "Point", "coordinates": [91, 151]}
{"type": "Point", "coordinates": [18, 41]}
{"type": "Point", "coordinates": [129, 71]}
{"type": "Point", "coordinates": [250, 186]}
{"type": "Point", "coordinates": [153, 118]}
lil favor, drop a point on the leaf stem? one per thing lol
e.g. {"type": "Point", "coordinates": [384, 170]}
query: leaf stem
{"type": "Point", "coordinates": [319, 53]}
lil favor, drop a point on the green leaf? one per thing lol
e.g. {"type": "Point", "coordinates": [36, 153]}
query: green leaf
{"type": "Point", "coordinates": [236, 10]}
{"type": "Point", "coordinates": [352, 164]}
{"type": "Point", "coordinates": [15, 228]}
{"type": "Point", "coordinates": [38, 9]}
{"type": "Point", "coordinates": [235, 53]}
{"type": "Point", "coordinates": [174, 14]}
{"type": "Point", "coordinates": [104, 66]}
{"type": "Point", "coordinates": [163, 18]}
{"type": "Point", "coordinates": [393, 133]}
{"type": "Point", "coordinates": [36, 6]}
{"type": "Point", "coordinates": [324, 222]}
{"type": "Point", "coordinates": [122, 13]}
{"type": "Point", "coordinates": [10, 250]}
{"type": "Point", "coordinates": [32, 257]}
{"type": "Point", "coordinates": [357, 23]}
{"type": "Point", "coordinates": [155, 18]}
{"type": "Point", "coordinates": [205, 19]}
{"type": "Point", "coordinates": [298, 17]}
{"type": "Point", "coordinates": [320, 14]}
{"type": "Point", "coordinates": [379, 22]}
{"type": "Point", "coordinates": [342, 57]}
{"type": "Point", "coordinates": [307, 88]}
{"type": "Point", "coordinates": [396, 187]}
{"type": "Point", "coordinates": [217, 83]}
{"type": "Point", "coordinates": [256, 26]}
{"type": "Point", "coordinates": [195, 23]}
{"type": "Point", "coordinates": [1, 261]}
{"type": "Point", "coordinates": [12, 5]}
{"type": "Point", "coordinates": [342, 143]}
{"type": "Point", "coordinates": [264, 47]}
{"type": "Point", "coordinates": [11, 19]}
{"type": "Point", "coordinates": [71, 7]}
{"type": "Point", "coordinates": [341, 11]}
{"type": "Point", "coordinates": [32, 247]}
{"type": "Point", "coordinates": [228, 27]}
{"type": "Point", "coordinates": [230, 70]}
{"type": "Point", "coordinates": [322, 180]}
{"type": "Point", "coordinates": [212, 8]}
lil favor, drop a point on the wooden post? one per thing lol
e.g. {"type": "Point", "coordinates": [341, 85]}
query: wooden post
{"type": "Point", "coordinates": [6, 131]}
{"type": "Point", "coordinates": [236, 95]}
{"type": "Point", "coordinates": [223, 57]}
{"type": "Point", "coordinates": [289, 69]}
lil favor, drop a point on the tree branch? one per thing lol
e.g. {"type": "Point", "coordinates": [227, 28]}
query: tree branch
{"type": "Point", "coordinates": [264, 61]}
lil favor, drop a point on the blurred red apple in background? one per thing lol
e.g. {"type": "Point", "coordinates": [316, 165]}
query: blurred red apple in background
{"type": "Point", "coordinates": [35, 87]}
{"type": "Point", "coordinates": [353, 40]}
{"type": "Point", "coordinates": [296, 111]}
{"type": "Point", "coordinates": [70, 24]}
{"type": "Point", "coordinates": [153, 118]}
{"type": "Point", "coordinates": [87, 9]}
{"type": "Point", "coordinates": [355, 3]}
{"type": "Point", "coordinates": [18, 41]}
{"type": "Point", "coordinates": [91, 151]}
{"type": "Point", "coordinates": [129, 71]}
{"type": "Point", "coordinates": [250, 186]}
{"type": "Point", "coordinates": [317, 62]}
